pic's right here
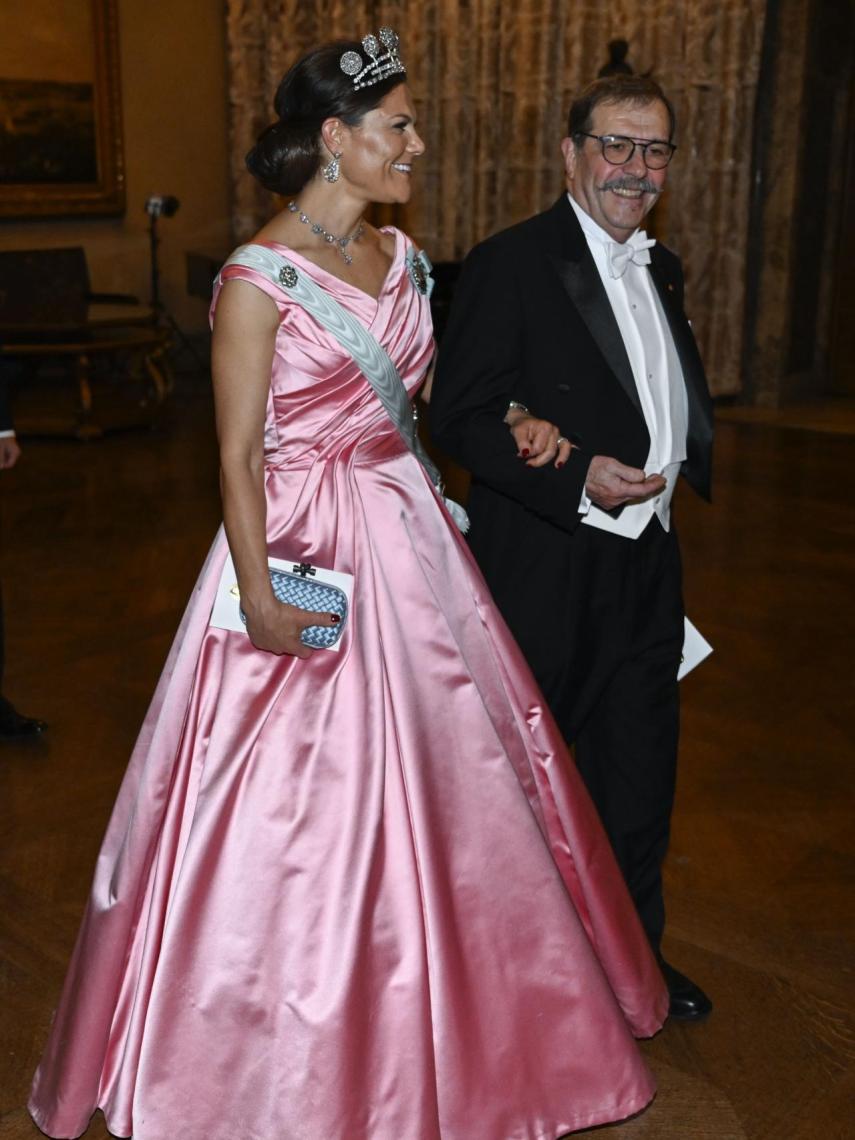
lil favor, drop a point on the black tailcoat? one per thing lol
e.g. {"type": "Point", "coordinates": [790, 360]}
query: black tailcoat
{"type": "Point", "coordinates": [598, 616]}
{"type": "Point", "coordinates": [531, 322]}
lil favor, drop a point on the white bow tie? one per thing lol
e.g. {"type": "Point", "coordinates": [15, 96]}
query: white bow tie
{"type": "Point", "coordinates": [636, 250]}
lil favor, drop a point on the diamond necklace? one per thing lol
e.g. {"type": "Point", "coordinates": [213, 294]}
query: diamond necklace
{"type": "Point", "coordinates": [341, 243]}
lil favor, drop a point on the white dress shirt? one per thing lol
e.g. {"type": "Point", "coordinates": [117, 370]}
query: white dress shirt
{"type": "Point", "coordinates": [658, 377]}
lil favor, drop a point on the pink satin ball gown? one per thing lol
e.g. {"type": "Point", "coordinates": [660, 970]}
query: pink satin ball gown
{"type": "Point", "coordinates": [362, 896]}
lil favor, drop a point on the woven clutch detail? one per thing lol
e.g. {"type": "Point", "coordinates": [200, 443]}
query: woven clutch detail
{"type": "Point", "coordinates": [295, 590]}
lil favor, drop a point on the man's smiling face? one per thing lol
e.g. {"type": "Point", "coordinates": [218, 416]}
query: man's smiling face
{"type": "Point", "coordinates": [617, 197]}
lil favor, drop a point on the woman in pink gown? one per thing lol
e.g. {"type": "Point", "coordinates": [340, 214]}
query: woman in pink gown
{"type": "Point", "coordinates": [356, 894]}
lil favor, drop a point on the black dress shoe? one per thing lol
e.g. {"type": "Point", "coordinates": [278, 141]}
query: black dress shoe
{"type": "Point", "coordinates": [13, 726]}
{"type": "Point", "coordinates": [688, 1001]}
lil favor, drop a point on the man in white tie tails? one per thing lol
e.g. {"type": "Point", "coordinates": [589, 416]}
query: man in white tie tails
{"type": "Point", "coordinates": [577, 315]}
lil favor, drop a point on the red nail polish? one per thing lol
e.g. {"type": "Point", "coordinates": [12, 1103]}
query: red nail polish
{"type": "Point", "coordinates": [558, 466]}
{"type": "Point", "coordinates": [335, 618]}
{"type": "Point", "coordinates": [524, 453]}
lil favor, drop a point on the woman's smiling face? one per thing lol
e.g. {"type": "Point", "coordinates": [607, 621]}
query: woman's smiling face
{"type": "Point", "coordinates": [377, 155]}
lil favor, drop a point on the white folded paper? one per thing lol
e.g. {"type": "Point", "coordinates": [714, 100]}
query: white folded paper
{"type": "Point", "coordinates": [695, 649]}
{"type": "Point", "coordinates": [226, 611]}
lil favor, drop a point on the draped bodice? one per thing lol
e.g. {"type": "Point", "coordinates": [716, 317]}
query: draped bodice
{"type": "Point", "coordinates": [320, 404]}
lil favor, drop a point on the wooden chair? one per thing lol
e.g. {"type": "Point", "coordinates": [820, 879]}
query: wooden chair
{"type": "Point", "coordinates": [51, 320]}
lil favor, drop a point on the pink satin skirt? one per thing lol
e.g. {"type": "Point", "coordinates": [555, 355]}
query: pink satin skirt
{"type": "Point", "coordinates": [359, 897]}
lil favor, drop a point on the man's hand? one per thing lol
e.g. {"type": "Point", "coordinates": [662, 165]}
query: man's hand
{"type": "Point", "coordinates": [610, 483]}
{"type": "Point", "coordinates": [9, 451]}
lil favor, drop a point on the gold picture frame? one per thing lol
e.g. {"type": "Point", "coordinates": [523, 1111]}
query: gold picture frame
{"type": "Point", "coordinates": [61, 150]}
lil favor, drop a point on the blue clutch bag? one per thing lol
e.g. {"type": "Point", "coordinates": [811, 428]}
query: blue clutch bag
{"type": "Point", "coordinates": [298, 589]}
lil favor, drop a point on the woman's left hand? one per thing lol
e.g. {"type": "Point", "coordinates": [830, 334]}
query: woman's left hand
{"type": "Point", "coordinates": [538, 441]}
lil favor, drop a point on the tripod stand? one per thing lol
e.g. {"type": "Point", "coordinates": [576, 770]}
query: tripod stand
{"type": "Point", "coordinates": [154, 207]}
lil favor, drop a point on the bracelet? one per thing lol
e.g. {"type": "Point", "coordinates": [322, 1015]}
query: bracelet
{"type": "Point", "coordinates": [518, 407]}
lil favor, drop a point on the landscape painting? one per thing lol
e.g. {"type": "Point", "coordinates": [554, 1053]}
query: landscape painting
{"type": "Point", "coordinates": [47, 132]}
{"type": "Point", "coordinates": [60, 110]}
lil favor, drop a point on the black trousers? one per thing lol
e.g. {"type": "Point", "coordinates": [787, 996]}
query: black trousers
{"type": "Point", "coordinates": [615, 694]}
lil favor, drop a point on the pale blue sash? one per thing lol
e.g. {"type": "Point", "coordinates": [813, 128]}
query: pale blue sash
{"type": "Point", "coordinates": [370, 356]}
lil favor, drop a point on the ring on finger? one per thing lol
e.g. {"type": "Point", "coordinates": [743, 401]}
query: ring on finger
{"type": "Point", "coordinates": [562, 439]}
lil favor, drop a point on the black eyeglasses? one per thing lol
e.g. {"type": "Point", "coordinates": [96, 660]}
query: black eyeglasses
{"type": "Point", "coordinates": [618, 149]}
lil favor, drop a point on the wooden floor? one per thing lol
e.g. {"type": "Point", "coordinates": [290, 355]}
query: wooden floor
{"type": "Point", "coordinates": [102, 543]}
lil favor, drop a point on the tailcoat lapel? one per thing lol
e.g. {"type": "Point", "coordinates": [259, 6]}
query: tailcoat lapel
{"type": "Point", "coordinates": [700, 433]}
{"type": "Point", "coordinates": [684, 341]}
{"type": "Point", "coordinates": [572, 260]}
{"type": "Point", "coordinates": [575, 267]}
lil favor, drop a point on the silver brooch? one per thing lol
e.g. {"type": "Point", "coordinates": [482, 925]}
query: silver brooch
{"type": "Point", "coordinates": [420, 271]}
{"type": "Point", "coordinates": [288, 276]}
{"type": "Point", "coordinates": [418, 275]}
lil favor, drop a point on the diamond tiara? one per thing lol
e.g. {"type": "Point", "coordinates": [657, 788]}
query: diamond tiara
{"type": "Point", "coordinates": [383, 62]}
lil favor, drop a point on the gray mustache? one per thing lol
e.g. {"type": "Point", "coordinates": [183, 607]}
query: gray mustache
{"type": "Point", "coordinates": [628, 183]}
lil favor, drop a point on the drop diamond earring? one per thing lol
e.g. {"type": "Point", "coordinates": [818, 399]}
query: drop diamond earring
{"type": "Point", "coordinates": [332, 170]}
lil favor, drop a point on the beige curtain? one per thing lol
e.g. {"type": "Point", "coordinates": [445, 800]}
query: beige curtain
{"type": "Point", "coordinates": [493, 81]}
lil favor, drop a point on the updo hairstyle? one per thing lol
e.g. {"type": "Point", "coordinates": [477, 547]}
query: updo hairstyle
{"type": "Point", "coordinates": [288, 152]}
